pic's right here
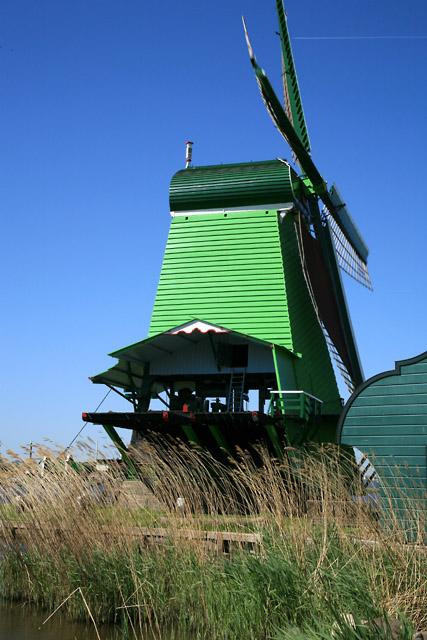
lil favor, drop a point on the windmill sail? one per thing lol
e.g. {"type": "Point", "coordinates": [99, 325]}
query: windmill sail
{"type": "Point", "coordinates": [324, 272]}
{"type": "Point", "coordinates": [293, 102]}
{"type": "Point", "coordinates": [351, 249]}
{"type": "Point", "coordinates": [321, 288]}
{"type": "Point", "coordinates": [338, 361]}
{"type": "Point", "coordinates": [307, 265]}
{"type": "Point", "coordinates": [284, 125]}
{"type": "Point", "coordinates": [348, 259]}
{"type": "Point", "coordinates": [331, 199]}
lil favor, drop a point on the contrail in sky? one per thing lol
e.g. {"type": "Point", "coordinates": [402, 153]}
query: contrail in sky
{"type": "Point", "coordinates": [360, 37]}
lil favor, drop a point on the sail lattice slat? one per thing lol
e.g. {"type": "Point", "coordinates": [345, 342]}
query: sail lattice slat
{"type": "Point", "coordinates": [348, 259]}
{"type": "Point", "coordinates": [338, 361]}
{"type": "Point", "coordinates": [292, 96]}
{"type": "Point", "coordinates": [287, 102]}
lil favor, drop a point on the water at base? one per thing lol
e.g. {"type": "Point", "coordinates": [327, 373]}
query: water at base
{"type": "Point", "coordinates": [23, 622]}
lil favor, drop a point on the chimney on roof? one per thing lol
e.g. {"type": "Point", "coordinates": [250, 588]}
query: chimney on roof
{"type": "Point", "coordinates": [188, 153]}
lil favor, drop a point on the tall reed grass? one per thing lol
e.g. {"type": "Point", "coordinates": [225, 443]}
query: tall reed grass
{"type": "Point", "coordinates": [327, 566]}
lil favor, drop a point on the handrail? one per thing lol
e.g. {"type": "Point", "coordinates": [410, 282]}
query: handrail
{"type": "Point", "coordinates": [304, 392]}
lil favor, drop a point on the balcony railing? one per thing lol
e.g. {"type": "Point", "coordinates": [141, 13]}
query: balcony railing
{"type": "Point", "coordinates": [294, 404]}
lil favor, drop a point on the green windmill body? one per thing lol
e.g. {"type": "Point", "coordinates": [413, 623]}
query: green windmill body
{"type": "Point", "coordinates": [240, 267]}
{"type": "Point", "coordinates": [250, 305]}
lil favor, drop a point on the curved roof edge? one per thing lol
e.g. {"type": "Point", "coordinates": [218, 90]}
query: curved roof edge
{"type": "Point", "coordinates": [379, 376]}
{"type": "Point", "coordinates": [232, 185]}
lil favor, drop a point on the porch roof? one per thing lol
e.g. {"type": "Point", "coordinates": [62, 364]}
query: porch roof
{"type": "Point", "coordinates": [129, 372]}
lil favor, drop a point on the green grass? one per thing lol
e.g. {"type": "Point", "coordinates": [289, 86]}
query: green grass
{"type": "Point", "coordinates": [246, 596]}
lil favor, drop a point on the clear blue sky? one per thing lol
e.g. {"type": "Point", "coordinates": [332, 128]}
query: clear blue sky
{"type": "Point", "coordinates": [97, 99]}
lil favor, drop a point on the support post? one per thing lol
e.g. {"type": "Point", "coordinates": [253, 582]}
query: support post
{"type": "Point", "coordinates": [220, 439]}
{"type": "Point", "coordinates": [114, 436]}
{"type": "Point", "coordinates": [278, 380]}
{"type": "Point", "coordinates": [274, 439]}
{"type": "Point", "coordinates": [190, 434]}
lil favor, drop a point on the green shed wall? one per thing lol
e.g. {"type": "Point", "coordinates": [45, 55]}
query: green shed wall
{"type": "Point", "coordinates": [386, 418]}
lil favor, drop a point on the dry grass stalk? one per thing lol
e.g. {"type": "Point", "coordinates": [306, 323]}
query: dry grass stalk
{"type": "Point", "coordinates": [301, 506]}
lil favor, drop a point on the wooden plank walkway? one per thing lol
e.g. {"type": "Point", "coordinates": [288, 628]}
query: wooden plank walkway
{"type": "Point", "coordinates": [221, 541]}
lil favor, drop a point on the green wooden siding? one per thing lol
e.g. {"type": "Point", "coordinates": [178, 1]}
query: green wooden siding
{"type": "Point", "coordinates": [226, 269]}
{"type": "Point", "coordinates": [314, 371]}
{"type": "Point", "coordinates": [232, 185]}
{"type": "Point", "coordinates": [386, 418]}
{"type": "Point", "coordinates": [242, 270]}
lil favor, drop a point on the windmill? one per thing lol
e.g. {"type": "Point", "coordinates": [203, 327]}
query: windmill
{"type": "Point", "coordinates": [334, 240]}
{"type": "Point", "coordinates": [250, 301]}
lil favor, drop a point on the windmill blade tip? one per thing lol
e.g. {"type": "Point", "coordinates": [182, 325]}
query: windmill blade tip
{"type": "Point", "coordinates": [248, 42]}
